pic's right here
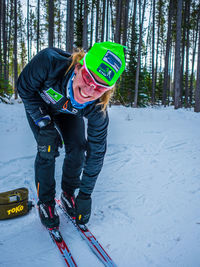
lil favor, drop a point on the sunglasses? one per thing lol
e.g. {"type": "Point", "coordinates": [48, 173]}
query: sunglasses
{"type": "Point", "coordinates": [90, 80]}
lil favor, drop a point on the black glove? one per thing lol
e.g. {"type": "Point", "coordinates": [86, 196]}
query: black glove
{"type": "Point", "coordinates": [49, 140]}
{"type": "Point", "coordinates": [83, 208]}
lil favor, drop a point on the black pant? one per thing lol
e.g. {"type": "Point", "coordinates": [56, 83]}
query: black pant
{"type": "Point", "coordinates": [72, 129]}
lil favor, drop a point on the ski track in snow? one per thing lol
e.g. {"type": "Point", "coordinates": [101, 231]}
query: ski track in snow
{"type": "Point", "coordinates": [146, 200]}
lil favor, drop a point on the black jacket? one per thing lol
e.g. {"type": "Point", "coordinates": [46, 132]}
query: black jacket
{"type": "Point", "coordinates": [46, 72]}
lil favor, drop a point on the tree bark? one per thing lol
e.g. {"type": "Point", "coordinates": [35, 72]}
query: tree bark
{"type": "Point", "coordinates": [97, 22]}
{"type": "Point", "coordinates": [158, 43]}
{"type": "Point", "coordinates": [183, 51]}
{"type": "Point", "coordinates": [133, 30]}
{"type": "Point", "coordinates": [118, 21]}
{"type": "Point", "coordinates": [193, 58]}
{"type": "Point", "coordinates": [125, 24]}
{"type": "Point", "coordinates": [197, 92]}
{"type": "Point", "coordinates": [187, 54]}
{"type": "Point", "coordinates": [70, 26]}
{"type": "Point", "coordinates": [28, 34]}
{"type": "Point", "coordinates": [5, 46]}
{"type": "Point", "coordinates": [15, 49]}
{"type": "Point", "coordinates": [103, 21]}
{"type": "Point", "coordinates": [107, 21]}
{"type": "Point", "coordinates": [38, 26]}
{"type": "Point", "coordinates": [92, 24]}
{"type": "Point", "coordinates": [177, 67]}
{"type": "Point", "coordinates": [139, 52]}
{"type": "Point", "coordinates": [51, 23]}
{"type": "Point", "coordinates": [167, 53]}
{"type": "Point", "coordinates": [85, 26]}
{"type": "Point", "coordinates": [1, 61]}
{"type": "Point", "coordinates": [153, 57]}
{"type": "Point", "coordinates": [10, 30]}
{"type": "Point", "coordinates": [132, 62]}
{"type": "Point", "coordinates": [112, 20]}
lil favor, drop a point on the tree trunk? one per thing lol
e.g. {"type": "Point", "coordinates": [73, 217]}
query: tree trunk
{"type": "Point", "coordinates": [97, 22]}
{"type": "Point", "coordinates": [85, 26]}
{"type": "Point", "coordinates": [133, 31]}
{"type": "Point", "coordinates": [5, 45]}
{"type": "Point", "coordinates": [167, 53]}
{"type": "Point", "coordinates": [153, 57]}
{"type": "Point", "coordinates": [183, 52]}
{"type": "Point", "coordinates": [132, 53]}
{"type": "Point", "coordinates": [103, 21]}
{"type": "Point", "coordinates": [197, 92]}
{"type": "Point", "coordinates": [193, 58]}
{"type": "Point", "coordinates": [187, 54]}
{"type": "Point", "coordinates": [38, 26]}
{"type": "Point", "coordinates": [22, 35]}
{"type": "Point", "coordinates": [15, 49]}
{"type": "Point", "coordinates": [118, 21]}
{"type": "Point", "coordinates": [4, 33]}
{"type": "Point", "coordinates": [177, 67]}
{"type": "Point", "coordinates": [157, 45]}
{"type": "Point", "coordinates": [91, 25]}
{"type": "Point", "coordinates": [10, 35]}
{"type": "Point", "coordinates": [51, 23]}
{"type": "Point", "coordinates": [149, 34]}
{"type": "Point", "coordinates": [125, 24]}
{"type": "Point", "coordinates": [1, 61]}
{"type": "Point", "coordinates": [70, 26]}
{"type": "Point", "coordinates": [28, 34]}
{"type": "Point", "coordinates": [107, 21]}
{"type": "Point", "coordinates": [31, 31]}
{"type": "Point", "coordinates": [112, 20]}
{"type": "Point", "coordinates": [59, 24]}
{"type": "Point", "coordinates": [139, 52]}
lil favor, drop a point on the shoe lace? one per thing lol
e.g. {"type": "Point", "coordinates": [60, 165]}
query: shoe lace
{"type": "Point", "coordinates": [50, 212]}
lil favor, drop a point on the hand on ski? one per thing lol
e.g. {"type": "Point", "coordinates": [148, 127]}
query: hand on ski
{"type": "Point", "coordinates": [83, 208]}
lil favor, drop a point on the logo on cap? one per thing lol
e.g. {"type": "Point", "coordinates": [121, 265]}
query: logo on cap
{"type": "Point", "coordinates": [107, 72]}
{"type": "Point", "coordinates": [113, 60]}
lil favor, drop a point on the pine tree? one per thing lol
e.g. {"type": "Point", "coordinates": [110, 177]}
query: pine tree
{"type": "Point", "coordinates": [177, 67]}
{"type": "Point", "coordinates": [167, 54]}
{"type": "Point", "coordinates": [141, 21]}
{"type": "Point", "coordinates": [197, 92]}
{"type": "Point", "coordinates": [51, 23]}
{"type": "Point", "coordinates": [15, 49]}
{"type": "Point", "coordinates": [70, 26]}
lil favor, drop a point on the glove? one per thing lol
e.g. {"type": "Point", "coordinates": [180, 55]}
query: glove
{"type": "Point", "coordinates": [83, 206]}
{"type": "Point", "coordinates": [43, 121]}
{"type": "Point", "coordinates": [48, 141]}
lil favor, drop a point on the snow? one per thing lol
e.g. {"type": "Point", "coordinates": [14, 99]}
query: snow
{"type": "Point", "coordinates": [145, 203]}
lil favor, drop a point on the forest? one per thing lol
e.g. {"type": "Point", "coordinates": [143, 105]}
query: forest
{"type": "Point", "coordinates": [162, 40]}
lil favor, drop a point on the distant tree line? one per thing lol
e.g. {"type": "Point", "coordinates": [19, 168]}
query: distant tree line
{"type": "Point", "coordinates": [162, 40]}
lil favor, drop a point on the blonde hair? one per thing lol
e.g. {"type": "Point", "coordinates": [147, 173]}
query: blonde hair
{"type": "Point", "coordinates": [105, 98]}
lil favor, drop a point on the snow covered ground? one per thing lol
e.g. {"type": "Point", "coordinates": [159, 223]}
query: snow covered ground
{"type": "Point", "coordinates": [146, 203]}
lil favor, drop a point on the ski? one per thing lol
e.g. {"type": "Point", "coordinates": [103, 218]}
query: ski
{"type": "Point", "coordinates": [57, 238]}
{"type": "Point", "coordinates": [63, 248]}
{"type": "Point", "coordinates": [86, 234]}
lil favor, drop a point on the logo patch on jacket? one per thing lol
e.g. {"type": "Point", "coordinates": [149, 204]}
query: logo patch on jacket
{"type": "Point", "coordinates": [52, 95]}
{"type": "Point", "coordinates": [68, 108]}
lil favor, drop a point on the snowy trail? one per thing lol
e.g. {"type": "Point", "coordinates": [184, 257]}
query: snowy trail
{"type": "Point", "coordinates": [146, 201]}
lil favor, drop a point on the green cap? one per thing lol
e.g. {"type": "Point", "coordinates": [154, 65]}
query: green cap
{"type": "Point", "coordinates": [107, 60]}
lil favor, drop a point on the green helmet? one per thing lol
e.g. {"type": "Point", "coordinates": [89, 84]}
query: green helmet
{"type": "Point", "coordinates": [107, 60]}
